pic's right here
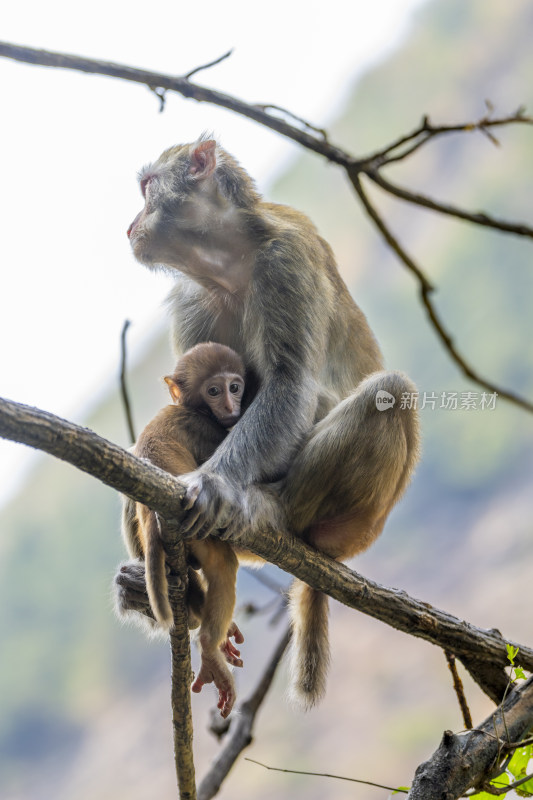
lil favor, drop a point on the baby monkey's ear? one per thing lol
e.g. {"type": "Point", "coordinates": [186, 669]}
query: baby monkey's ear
{"type": "Point", "coordinates": [174, 389]}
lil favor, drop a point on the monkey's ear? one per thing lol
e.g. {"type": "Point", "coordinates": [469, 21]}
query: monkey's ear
{"type": "Point", "coordinates": [173, 388]}
{"type": "Point", "coordinates": [203, 159]}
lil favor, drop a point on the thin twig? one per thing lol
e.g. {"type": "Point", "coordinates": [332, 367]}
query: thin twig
{"type": "Point", "coordinates": [426, 131]}
{"type": "Point", "coordinates": [522, 743]}
{"type": "Point", "coordinates": [216, 61]}
{"type": "Point", "coordinates": [242, 734]}
{"type": "Point", "coordinates": [271, 107]}
{"type": "Point", "coordinates": [123, 387]}
{"type": "Point", "coordinates": [161, 95]}
{"type": "Point", "coordinates": [459, 689]}
{"type": "Point", "coordinates": [508, 787]}
{"type": "Point", "coordinates": [328, 775]}
{"type": "Point", "coordinates": [425, 295]}
{"type": "Point", "coordinates": [265, 580]}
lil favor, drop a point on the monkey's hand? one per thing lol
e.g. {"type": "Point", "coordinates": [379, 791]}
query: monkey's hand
{"type": "Point", "coordinates": [228, 649]}
{"type": "Point", "coordinates": [210, 503]}
{"type": "Point", "coordinates": [213, 669]}
{"type": "Point", "coordinates": [260, 507]}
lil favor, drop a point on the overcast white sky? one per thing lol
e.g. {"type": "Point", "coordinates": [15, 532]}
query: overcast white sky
{"type": "Point", "coordinates": [72, 145]}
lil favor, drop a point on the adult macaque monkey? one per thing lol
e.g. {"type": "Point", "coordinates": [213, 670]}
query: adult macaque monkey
{"type": "Point", "coordinates": [257, 277]}
{"type": "Point", "coordinates": [206, 388]}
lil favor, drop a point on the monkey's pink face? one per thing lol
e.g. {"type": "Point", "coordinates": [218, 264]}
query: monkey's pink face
{"type": "Point", "coordinates": [146, 233]}
{"type": "Point", "coordinates": [173, 189]}
{"type": "Point", "coordinates": [223, 395]}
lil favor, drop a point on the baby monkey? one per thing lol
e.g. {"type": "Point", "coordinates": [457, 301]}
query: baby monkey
{"type": "Point", "coordinates": [206, 389]}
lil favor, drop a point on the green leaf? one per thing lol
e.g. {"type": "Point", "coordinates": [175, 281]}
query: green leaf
{"type": "Point", "coordinates": [511, 652]}
{"type": "Point", "coordinates": [518, 764]}
{"type": "Point", "coordinates": [401, 790]}
{"type": "Point", "coordinates": [519, 673]}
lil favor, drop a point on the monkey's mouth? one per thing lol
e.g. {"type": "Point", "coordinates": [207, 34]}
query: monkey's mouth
{"type": "Point", "coordinates": [228, 422]}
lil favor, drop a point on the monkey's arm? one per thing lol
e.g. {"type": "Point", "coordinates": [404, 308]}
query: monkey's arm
{"type": "Point", "coordinates": [286, 322]}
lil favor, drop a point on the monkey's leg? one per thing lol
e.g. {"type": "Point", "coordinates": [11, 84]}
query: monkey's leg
{"type": "Point", "coordinates": [219, 565]}
{"type": "Point", "coordinates": [338, 493]}
{"type": "Point", "coordinates": [355, 465]}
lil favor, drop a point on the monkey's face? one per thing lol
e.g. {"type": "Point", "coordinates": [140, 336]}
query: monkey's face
{"type": "Point", "coordinates": [179, 194]}
{"type": "Point", "coordinates": [223, 395]}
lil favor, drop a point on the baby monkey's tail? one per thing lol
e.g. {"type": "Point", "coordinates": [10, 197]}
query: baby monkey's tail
{"type": "Point", "coordinates": [156, 576]}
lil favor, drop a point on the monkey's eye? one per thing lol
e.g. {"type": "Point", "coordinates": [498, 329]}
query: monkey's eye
{"type": "Point", "coordinates": [234, 388]}
{"type": "Point", "coordinates": [213, 391]}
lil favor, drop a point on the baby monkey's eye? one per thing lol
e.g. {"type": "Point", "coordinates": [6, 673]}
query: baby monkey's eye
{"type": "Point", "coordinates": [213, 391]}
{"type": "Point", "coordinates": [234, 388]}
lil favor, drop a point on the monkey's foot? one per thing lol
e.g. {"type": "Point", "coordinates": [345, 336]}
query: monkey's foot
{"type": "Point", "coordinates": [214, 670]}
{"type": "Point", "coordinates": [228, 649]}
{"type": "Point", "coordinates": [130, 588]}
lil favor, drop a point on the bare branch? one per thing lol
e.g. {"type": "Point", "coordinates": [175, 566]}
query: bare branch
{"type": "Point", "coordinates": [479, 218]}
{"type": "Point", "coordinates": [270, 106]}
{"type": "Point", "coordinates": [189, 75]}
{"type": "Point", "coordinates": [245, 719]}
{"type": "Point", "coordinates": [182, 85]}
{"type": "Point", "coordinates": [463, 760]}
{"type": "Point", "coordinates": [163, 493]}
{"type": "Point", "coordinates": [327, 775]}
{"type": "Point", "coordinates": [123, 386]}
{"type": "Point", "coordinates": [425, 295]}
{"type": "Point", "coordinates": [161, 95]}
{"type": "Point", "coordinates": [160, 83]}
{"type": "Point", "coordinates": [459, 690]}
{"type": "Point", "coordinates": [426, 131]}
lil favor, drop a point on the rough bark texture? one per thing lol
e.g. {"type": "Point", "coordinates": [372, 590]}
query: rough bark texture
{"type": "Point", "coordinates": [463, 760]}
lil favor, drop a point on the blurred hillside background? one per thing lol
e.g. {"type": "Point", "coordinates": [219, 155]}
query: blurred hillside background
{"type": "Point", "coordinates": [84, 702]}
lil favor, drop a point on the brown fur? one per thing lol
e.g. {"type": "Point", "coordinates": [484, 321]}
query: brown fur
{"type": "Point", "coordinates": [177, 440]}
{"type": "Point", "coordinates": [257, 277]}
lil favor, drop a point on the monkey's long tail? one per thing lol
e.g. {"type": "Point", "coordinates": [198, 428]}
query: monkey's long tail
{"type": "Point", "coordinates": [309, 656]}
{"type": "Point", "coordinates": [156, 576]}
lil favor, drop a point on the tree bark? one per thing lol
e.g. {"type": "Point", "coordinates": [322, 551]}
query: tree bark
{"type": "Point", "coordinates": [463, 760]}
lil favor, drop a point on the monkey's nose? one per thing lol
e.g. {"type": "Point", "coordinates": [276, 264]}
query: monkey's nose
{"type": "Point", "coordinates": [133, 224]}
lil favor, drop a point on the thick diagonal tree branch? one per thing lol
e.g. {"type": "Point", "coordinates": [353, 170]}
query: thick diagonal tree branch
{"type": "Point", "coordinates": [316, 140]}
{"type": "Point", "coordinates": [160, 491]}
